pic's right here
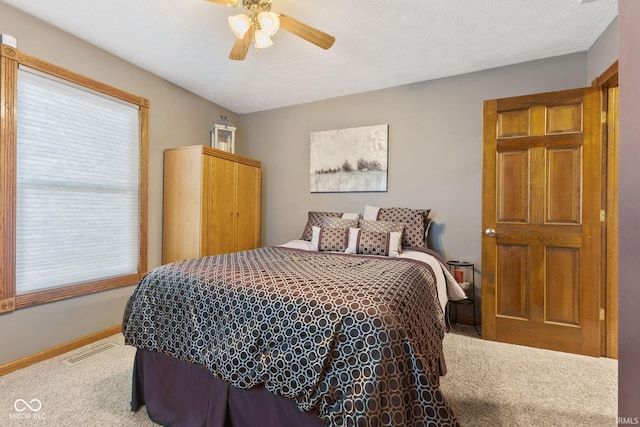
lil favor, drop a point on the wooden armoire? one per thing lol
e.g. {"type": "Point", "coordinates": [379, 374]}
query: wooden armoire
{"type": "Point", "coordinates": [211, 203]}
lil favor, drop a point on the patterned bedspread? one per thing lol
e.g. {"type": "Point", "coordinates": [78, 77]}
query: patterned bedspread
{"type": "Point", "coordinates": [356, 339]}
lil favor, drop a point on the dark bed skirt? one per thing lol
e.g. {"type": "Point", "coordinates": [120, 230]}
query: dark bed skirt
{"type": "Point", "coordinates": [182, 394]}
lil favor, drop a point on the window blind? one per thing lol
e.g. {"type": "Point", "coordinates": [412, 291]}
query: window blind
{"type": "Point", "coordinates": [78, 184]}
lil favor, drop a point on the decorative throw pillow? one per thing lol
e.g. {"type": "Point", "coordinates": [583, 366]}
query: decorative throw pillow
{"type": "Point", "coordinates": [329, 222]}
{"type": "Point", "coordinates": [315, 219]}
{"type": "Point", "coordinates": [374, 243]}
{"type": "Point", "coordinates": [381, 226]}
{"type": "Point", "coordinates": [370, 213]}
{"type": "Point", "coordinates": [395, 244]}
{"type": "Point", "coordinates": [350, 215]}
{"type": "Point", "coordinates": [415, 221]}
{"type": "Point", "coordinates": [329, 239]}
{"type": "Point", "coordinates": [352, 247]}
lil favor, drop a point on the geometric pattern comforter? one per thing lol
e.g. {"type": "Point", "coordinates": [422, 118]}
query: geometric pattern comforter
{"type": "Point", "coordinates": [355, 339]}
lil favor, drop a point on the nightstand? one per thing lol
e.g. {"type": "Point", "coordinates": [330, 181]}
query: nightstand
{"type": "Point", "coordinates": [464, 274]}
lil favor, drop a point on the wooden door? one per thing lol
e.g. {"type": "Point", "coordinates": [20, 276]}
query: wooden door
{"type": "Point", "coordinates": [248, 207]}
{"type": "Point", "coordinates": [218, 206]}
{"type": "Point", "coordinates": [541, 247]}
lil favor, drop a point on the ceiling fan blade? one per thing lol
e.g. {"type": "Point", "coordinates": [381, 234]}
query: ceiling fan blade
{"type": "Point", "coordinates": [306, 32]}
{"type": "Point", "coordinates": [241, 46]}
{"type": "Point", "coordinates": [230, 3]}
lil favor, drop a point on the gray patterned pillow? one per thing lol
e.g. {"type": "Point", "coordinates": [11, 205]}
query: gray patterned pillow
{"type": "Point", "coordinates": [315, 219]}
{"type": "Point", "coordinates": [330, 239]}
{"type": "Point", "coordinates": [415, 221]}
{"type": "Point", "coordinates": [375, 243]}
{"type": "Point", "coordinates": [381, 226]}
{"type": "Point", "coordinates": [331, 222]}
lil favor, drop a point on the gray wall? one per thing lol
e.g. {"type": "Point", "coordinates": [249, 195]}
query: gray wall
{"type": "Point", "coordinates": [435, 150]}
{"type": "Point", "coordinates": [177, 117]}
{"type": "Point", "coordinates": [603, 53]}
{"type": "Point", "coordinates": [435, 146]}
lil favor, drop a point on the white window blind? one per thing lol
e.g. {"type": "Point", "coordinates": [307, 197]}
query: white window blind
{"type": "Point", "coordinates": [78, 163]}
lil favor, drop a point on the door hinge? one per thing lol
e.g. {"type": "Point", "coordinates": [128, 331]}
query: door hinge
{"type": "Point", "coordinates": [603, 215]}
{"type": "Point", "coordinates": [603, 117]}
{"type": "Point", "coordinates": [602, 314]}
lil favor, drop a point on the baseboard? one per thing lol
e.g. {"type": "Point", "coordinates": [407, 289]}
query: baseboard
{"type": "Point", "coordinates": [58, 350]}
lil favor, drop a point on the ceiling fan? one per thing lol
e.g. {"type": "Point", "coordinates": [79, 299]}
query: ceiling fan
{"type": "Point", "coordinates": [259, 24]}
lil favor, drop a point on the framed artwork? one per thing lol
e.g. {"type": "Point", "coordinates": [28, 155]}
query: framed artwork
{"type": "Point", "coordinates": [349, 160]}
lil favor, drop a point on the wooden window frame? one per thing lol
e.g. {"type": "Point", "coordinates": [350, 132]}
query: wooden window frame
{"type": "Point", "coordinates": [10, 59]}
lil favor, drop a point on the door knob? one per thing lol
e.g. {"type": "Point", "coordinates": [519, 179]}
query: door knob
{"type": "Point", "coordinates": [490, 232]}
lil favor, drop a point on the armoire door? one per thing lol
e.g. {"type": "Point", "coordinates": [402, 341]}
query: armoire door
{"type": "Point", "coordinates": [219, 214]}
{"type": "Point", "coordinates": [541, 244]}
{"type": "Point", "coordinates": [248, 207]}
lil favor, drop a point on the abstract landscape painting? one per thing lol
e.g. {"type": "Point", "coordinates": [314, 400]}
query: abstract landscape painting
{"type": "Point", "coordinates": [349, 160]}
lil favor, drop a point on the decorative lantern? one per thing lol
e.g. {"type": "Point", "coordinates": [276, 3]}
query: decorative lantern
{"type": "Point", "coordinates": [223, 135]}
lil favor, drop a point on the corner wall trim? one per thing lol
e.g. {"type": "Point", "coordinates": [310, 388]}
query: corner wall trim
{"type": "Point", "coordinates": [7, 305]}
{"type": "Point", "coordinates": [58, 350]}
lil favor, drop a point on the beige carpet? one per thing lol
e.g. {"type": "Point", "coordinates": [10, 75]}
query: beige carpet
{"type": "Point", "coordinates": [496, 384]}
{"type": "Point", "coordinates": [93, 392]}
{"type": "Point", "coordinates": [488, 384]}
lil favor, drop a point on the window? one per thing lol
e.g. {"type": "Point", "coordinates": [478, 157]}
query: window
{"type": "Point", "coordinates": [73, 183]}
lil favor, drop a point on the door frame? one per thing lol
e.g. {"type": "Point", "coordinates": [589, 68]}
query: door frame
{"type": "Point", "coordinates": [607, 80]}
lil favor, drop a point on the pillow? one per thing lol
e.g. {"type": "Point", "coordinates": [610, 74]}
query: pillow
{"type": "Point", "coordinates": [427, 241]}
{"type": "Point", "coordinates": [381, 226]}
{"type": "Point", "coordinates": [329, 239]}
{"type": "Point", "coordinates": [315, 219]}
{"type": "Point", "coordinates": [383, 244]}
{"type": "Point", "coordinates": [374, 243]}
{"type": "Point", "coordinates": [330, 222]}
{"type": "Point", "coordinates": [349, 215]}
{"type": "Point", "coordinates": [370, 212]}
{"type": "Point", "coordinates": [415, 221]}
{"type": "Point", "coordinates": [352, 247]}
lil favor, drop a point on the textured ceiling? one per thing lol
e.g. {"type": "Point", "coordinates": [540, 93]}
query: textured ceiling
{"type": "Point", "coordinates": [379, 43]}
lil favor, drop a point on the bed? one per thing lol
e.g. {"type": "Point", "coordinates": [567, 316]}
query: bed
{"type": "Point", "coordinates": [342, 327]}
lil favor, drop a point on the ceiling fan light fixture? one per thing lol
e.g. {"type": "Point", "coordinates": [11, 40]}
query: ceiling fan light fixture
{"type": "Point", "coordinates": [257, 25]}
{"type": "Point", "coordinates": [269, 22]}
{"type": "Point", "coordinates": [262, 39]}
{"type": "Point", "coordinates": [239, 24]}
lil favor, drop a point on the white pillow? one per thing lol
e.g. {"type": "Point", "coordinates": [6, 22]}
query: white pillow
{"type": "Point", "coordinates": [350, 216]}
{"type": "Point", "coordinates": [370, 213]}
